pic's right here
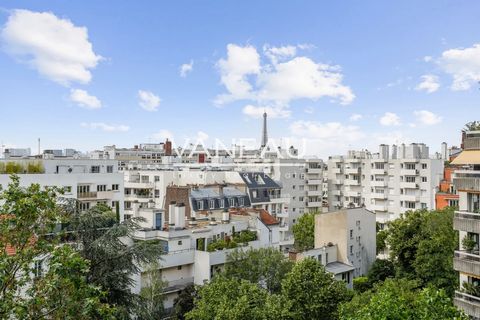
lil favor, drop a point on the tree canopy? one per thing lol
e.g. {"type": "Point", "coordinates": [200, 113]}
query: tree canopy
{"type": "Point", "coordinates": [304, 232]}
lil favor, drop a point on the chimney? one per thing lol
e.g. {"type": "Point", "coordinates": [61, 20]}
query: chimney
{"type": "Point", "coordinates": [212, 221]}
{"type": "Point", "coordinates": [225, 216]}
{"type": "Point", "coordinates": [168, 147]}
{"type": "Point", "coordinates": [171, 213]}
{"type": "Point", "coordinates": [180, 216]}
{"type": "Point", "coordinates": [192, 222]}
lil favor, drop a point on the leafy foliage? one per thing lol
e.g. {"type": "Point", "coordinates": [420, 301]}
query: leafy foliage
{"type": "Point", "coordinates": [101, 240]}
{"type": "Point", "coordinates": [421, 246]}
{"type": "Point", "coordinates": [151, 295]}
{"type": "Point", "coordinates": [265, 266]}
{"type": "Point", "coordinates": [380, 270]}
{"type": "Point", "coordinates": [361, 284]}
{"type": "Point", "coordinates": [313, 293]}
{"type": "Point", "coordinates": [304, 232]}
{"type": "Point", "coordinates": [29, 216]}
{"type": "Point", "coordinates": [184, 302]}
{"type": "Point", "coordinates": [400, 299]}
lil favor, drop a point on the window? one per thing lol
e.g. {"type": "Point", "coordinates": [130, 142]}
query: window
{"type": "Point", "coordinates": [424, 179]}
{"type": "Point", "coordinates": [351, 233]}
{"type": "Point", "coordinates": [254, 194]}
{"type": "Point", "coordinates": [409, 178]}
{"type": "Point", "coordinates": [115, 187]}
{"type": "Point", "coordinates": [179, 242]}
{"type": "Point", "coordinates": [157, 193]}
{"type": "Point", "coordinates": [301, 187]}
{"type": "Point", "coordinates": [424, 166]}
{"type": "Point", "coordinates": [200, 205]}
{"type": "Point", "coordinates": [293, 187]}
{"type": "Point", "coordinates": [156, 178]}
{"type": "Point", "coordinates": [231, 202]}
{"type": "Point", "coordinates": [294, 175]}
{"type": "Point", "coordinates": [410, 204]}
{"type": "Point", "coordinates": [212, 204]}
{"type": "Point", "coordinates": [102, 187]}
{"type": "Point", "coordinates": [319, 257]}
{"type": "Point", "coordinates": [158, 221]}
{"type": "Point", "coordinates": [109, 169]}
{"type": "Point", "coordinates": [83, 189]}
{"type": "Point", "coordinates": [38, 268]}
{"type": "Point", "coordinates": [326, 258]}
{"type": "Point", "coordinates": [302, 176]}
{"type": "Point", "coordinates": [222, 203]}
{"type": "Point", "coordinates": [179, 268]}
{"type": "Point", "coordinates": [241, 201]}
{"type": "Point", "coordinates": [351, 249]}
{"type": "Point", "coordinates": [300, 199]}
{"type": "Point", "coordinates": [66, 189]}
{"type": "Point", "coordinates": [95, 169]}
{"type": "Point", "coordinates": [84, 206]}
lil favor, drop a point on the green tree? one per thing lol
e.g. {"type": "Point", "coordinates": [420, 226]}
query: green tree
{"type": "Point", "coordinates": [399, 299]}
{"type": "Point", "coordinates": [103, 241]}
{"type": "Point", "coordinates": [151, 295]}
{"type": "Point", "coordinates": [27, 223]}
{"type": "Point", "coordinates": [380, 270]}
{"type": "Point", "coordinates": [184, 302]}
{"type": "Point", "coordinates": [265, 266]}
{"type": "Point", "coordinates": [361, 284]}
{"type": "Point", "coordinates": [304, 232]}
{"type": "Point", "coordinates": [63, 292]}
{"type": "Point", "coordinates": [313, 293]}
{"type": "Point", "coordinates": [421, 246]}
{"type": "Point", "coordinates": [229, 298]}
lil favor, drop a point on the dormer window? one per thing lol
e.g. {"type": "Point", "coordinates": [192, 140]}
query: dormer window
{"type": "Point", "coordinates": [241, 201]}
{"type": "Point", "coordinates": [222, 203]}
{"type": "Point", "coordinates": [231, 202]}
{"type": "Point", "coordinates": [212, 204]}
{"type": "Point", "coordinates": [200, 205]}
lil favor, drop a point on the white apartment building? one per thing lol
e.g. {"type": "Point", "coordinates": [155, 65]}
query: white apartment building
{"type": "Point", "coordinates": [89, 181]}
{"type": "Point", "coordinates": [467, 221]}
{"type": "Point", "coordinates": [189, 257]}
{"type": "Point", "coordinates": [353, 232]}
{"type": "Point", "coordinates": [386, 183]}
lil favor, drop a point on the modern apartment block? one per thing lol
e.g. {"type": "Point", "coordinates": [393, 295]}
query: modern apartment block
{"type": "Point", "coordinates": [89, 181]}
{"type": "Point", "coordinates": [191, 245]}
{"type": "Point", "coordinates": [387, 183]}
{"type": "Point", "coordinates": [353, 232]}
{"type": "Point", "coordinates": [467, 221]}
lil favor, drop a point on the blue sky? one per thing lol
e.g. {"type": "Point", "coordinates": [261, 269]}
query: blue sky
{"type": "Point", "coordinates": [343, 74]}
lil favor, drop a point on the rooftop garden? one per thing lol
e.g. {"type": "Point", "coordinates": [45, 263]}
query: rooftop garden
{"type": "Point", "coordinates": [228, 242]}
{"type": "Point", "coordinates": [11, 167]}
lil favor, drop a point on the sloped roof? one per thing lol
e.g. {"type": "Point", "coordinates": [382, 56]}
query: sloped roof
{"type": "Point", "coordinates": [467, 157]}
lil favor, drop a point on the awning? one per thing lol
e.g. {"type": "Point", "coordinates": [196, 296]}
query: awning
{"type": "Point", "coordinates": [338, 267]}
{"type": "Point", "coordinates": [467, 157]}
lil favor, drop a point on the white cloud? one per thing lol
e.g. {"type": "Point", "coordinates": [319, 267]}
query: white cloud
{"type": "Point", "coordinates": [105, 127]}
{"type": "Point", "coordinates": [276, 54]}
{"type": "Point", "coordinates": [329, 130]}
{"type": "Point", "coordinates": [427, 118]}
{"type": "Point", "coordinates": [429, 83]}
{"type": "Point", "coordinates": [201, 136]}
{"type": "Point", "coordinates": [148, 100]}
{"type": "Point", "coordinates": [162, 135]}
{"type": "Point", "coordinates": [240, 62]}
{"type": "Point", "coordinates": [390, 119]}
{"type": "Point", "coordinates": [280, 82]}
{"type": "Point", "coordinates": [309, 110]}
{"type": "Point", "coordinates": [427, 58]}
{"type": "Point", "coordinates": [355, 117]}
{"type": "Point", "coordinates": [272, 112]}
{"type": "Point", "coordinates": [186, 68]}
{"type": "Point", "coordinates": [463, 65]}
{"type": "Point", "coordinates": [55, 47]}
{"type": "Point", "coordinates": [85, 100]}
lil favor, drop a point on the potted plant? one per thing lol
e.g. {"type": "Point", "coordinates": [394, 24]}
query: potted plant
{"type": "Point", "coordinates": [468, 243]}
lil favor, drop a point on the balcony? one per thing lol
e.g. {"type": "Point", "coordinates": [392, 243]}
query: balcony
{"type": "Point", "coordinates": [352, 193]}
{"type": "Point", "coordinates": [337, 170]}
{"type": "Point", "coordinates": [336, 192]}
{"type": "Point", "coordinates": [467, 180]}
{"type": "Point", "coordinates": [314, 170]}
{"type": "Point", "coordinates": [351, 182]}
{"type": "Point", "coordinates": [378, 183]}
{"type": "Point", "coordinates": [314, 181]}
{"type": "Point", "coordinates": [313, 193]}
{"type": "Point", "coordinates": [102, 195]}
{"type": "Point", "coordinates": [471, 143]}
{"type": "Point", "coordinates": [283, 228]}
{"type": "Point", "coordinates": [378, 207]}
{"type": "Point", "coordinates": [352, 170]}
{"type": "Point", "coordinates": [314, 204]}
{"type": "Point", "coordinates": [178, 258]}
{"type": "Point", "coordinates": [466, 221]}
{"type": "Point", "coordinates": [468, 303]}
{"type": "Point", "coordinates": [466, 262]}
{"type": "Point", "coordinates": [409, 172]}
{"type": "Point", "coordinates": [376, 195]}
{"type": "Point", "coordinates": [87, 195]}
{"type": "Point", "coordinates": [177, 285]}
{"type": "Point", "coordinates": [409, 185]}
{"type": "Point", "coordinates": [412, 198]}
{"type": "Point", "coordinates": [281, 214]}
{"type": "Point", "coordinates": [379, 171]}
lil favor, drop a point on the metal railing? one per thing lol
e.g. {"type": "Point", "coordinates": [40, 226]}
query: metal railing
{"type": "Point", "coordinates": [84, 195]}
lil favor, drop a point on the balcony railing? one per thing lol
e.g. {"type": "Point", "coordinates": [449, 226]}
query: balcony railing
{"type": "Point", "coordinates": [466, 262]}
{"type": "Point", "coordinates": [467, 180]}
{"type": "Point", "coordinates": [87, 195]}
{"type": "Point", "coordinates": [177, 285]}
{"type": "Point", "coordinates": [466, 221]}
{"type": "Point", "coordinates": [468, 303]}
{"type": "Point", "coordinates": [471, 143]}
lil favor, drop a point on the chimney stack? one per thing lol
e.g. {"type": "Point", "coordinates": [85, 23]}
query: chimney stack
{"type": "Point", "coordinates": [180, 216]}
{"type": "Point", "coordinates": [171, 213]}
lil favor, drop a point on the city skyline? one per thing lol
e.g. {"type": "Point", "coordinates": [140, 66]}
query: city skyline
{"type": "Point", "coordinates": [344, 76]}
